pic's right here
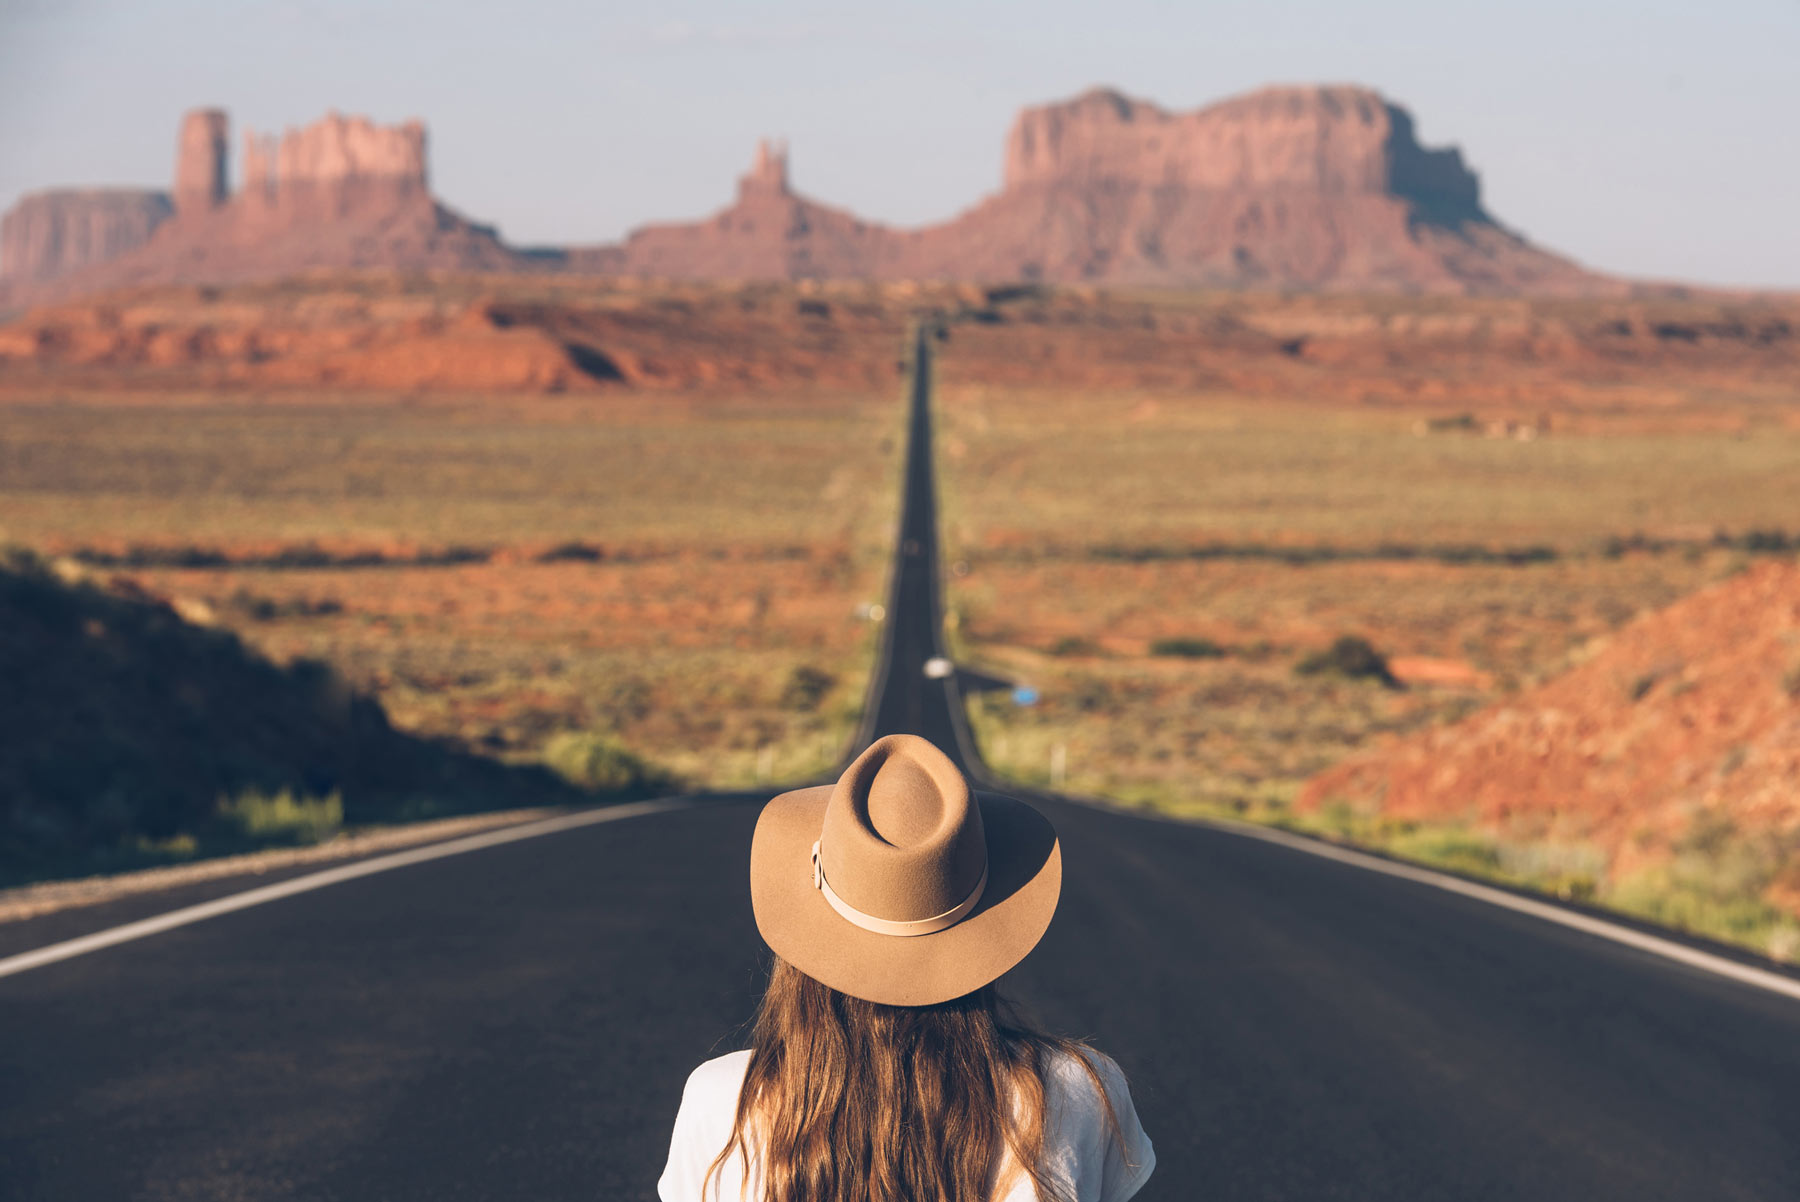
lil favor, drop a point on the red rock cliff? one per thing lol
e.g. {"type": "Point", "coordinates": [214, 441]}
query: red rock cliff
{"type": "Point", "coordinates": [335, 159]}
{"type": "Point", "coordinates": [1293, 187]}
{"type": "Point", "coordinates": [49, 234]}
{"type": "Point", "coordinates": [1311, 188]}
{"type": "Point", "coordinates": [1311, 139]}
{"type": "Point", "coordinates": [201, 164]}
{"type": "Point", "coordinates": [1302, 187]}
{"type": "Point", "coordinates": [342, 192]}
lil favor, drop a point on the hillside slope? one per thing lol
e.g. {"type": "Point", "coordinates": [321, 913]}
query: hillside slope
{"type": "Point", "coordinates": [134, 735]}
{"type": "Point", "coordinates": [1671, 755]}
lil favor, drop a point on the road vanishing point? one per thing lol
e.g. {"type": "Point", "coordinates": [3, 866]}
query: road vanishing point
{"type": "Point", "coordinates": [516, 1020]}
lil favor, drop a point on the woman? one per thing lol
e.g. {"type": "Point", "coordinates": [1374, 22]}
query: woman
{"type": "Point", "coordinates": [884, 1067]}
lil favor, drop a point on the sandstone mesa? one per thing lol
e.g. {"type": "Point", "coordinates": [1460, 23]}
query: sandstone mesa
{"type": "Point", "coordinates": [340, 193]}
{"type": "Point", "coordinates": [62, 230]}
{"type": "Point", "coordinates": [1310, 188]}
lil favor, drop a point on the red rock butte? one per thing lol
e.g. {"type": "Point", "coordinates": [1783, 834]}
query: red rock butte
{"type": "Point", "coordinates": [1301, 188]}
{"type": "Point", "coordinates": [340, 193]}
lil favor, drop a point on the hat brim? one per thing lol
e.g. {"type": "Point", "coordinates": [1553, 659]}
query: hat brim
{"type": "Point", "coordinates": [799, 925]}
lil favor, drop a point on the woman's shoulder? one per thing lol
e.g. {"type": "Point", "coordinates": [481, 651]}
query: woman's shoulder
{"type": "Point", "coordinates": [1074, 1073]}
{"type": "Point", "coordinates": [708, 1107]}
{"type": "Point", "coordinates": [719, 1078]}
{"type": "Point", "coordinates": [702, 1125]}
{"type": "Point", "coordinates": [1092, 1125]}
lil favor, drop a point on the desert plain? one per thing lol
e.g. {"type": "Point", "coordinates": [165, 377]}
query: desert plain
{"type": "Point", "coordinates": [1247, 548]}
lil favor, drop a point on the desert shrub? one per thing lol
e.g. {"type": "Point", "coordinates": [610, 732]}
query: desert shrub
{"type": "Point", "coordinates": [1453, 848]}
{"type": "Point", "coordinates": [598, 763]}
{"type": "Point", "coordinates": [1337, 818]}
{"type": "Point", "coordinates": [1617, 546]}
{"type": "Point", "coordinates": [1572, 871]}
{"type": "Point", "coordinates": [304, 555]}
{"type": "Point", "coordinates": [284, 816]}
{"type": "Point", "coordinates": [1006, 293]}
{"type": "Point", "coordinates": [1642, 685]}
{"type": "Point", "coordinates": [573, 552]}
{"type": "Point", "coordinates": [1187, 648]}
{"type": "Point", "coordinates": [1783, 941]}
{"type": "Point", "coordinates": [1072, 644]}
{"type": "Point", "coordinates": [1303, 555]}
{"type": "Point", "coordinates": [806, 688]}
{"type": "Point", "coordinates": [453, 555]}
{"type": "Point", "coordinates": [1715, 883]}
{"type": "Point", "coordinates": [151, 555]}
{"type": "Point", "coordinates": [257, 609]}
{"type": "Point", "coordinates": [1092, 695]}
{"type": "Point", "coordinates": [267, 609]}
{"type": "Point", "coordinates": [1774, 541]}
{"type": "Point", "coordinates": [1351, 657]}
{"type": "Point", "coordinates": [629, 700]}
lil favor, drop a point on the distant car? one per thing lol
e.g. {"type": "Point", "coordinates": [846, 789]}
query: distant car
{"type": "Point", "coordinates": [937, 667]}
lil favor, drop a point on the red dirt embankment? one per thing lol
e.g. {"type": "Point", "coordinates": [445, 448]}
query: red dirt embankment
{"type": "Point", "coordinates": [459, 334]}
{"type": "Point", "coordinates": [1686, 718]}
{"type": "Point", "coordinates": [1511, 362]}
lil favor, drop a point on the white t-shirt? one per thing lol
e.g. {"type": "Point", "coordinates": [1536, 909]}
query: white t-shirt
{"type": "Point", "coordinates": [1079, 1152]}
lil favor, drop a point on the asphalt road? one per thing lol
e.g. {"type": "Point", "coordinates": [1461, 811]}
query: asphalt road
{"type": "Point", "coordinates": [517, 1022]}
{"type": "Point", "coordinates": [902, 700]}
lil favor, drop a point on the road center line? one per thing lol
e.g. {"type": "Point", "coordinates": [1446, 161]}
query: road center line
{"type": "Point", "coordinates": [143, 928]}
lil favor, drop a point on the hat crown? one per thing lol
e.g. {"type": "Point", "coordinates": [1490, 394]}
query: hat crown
{"type": "Point", "coordinates": [905, 806]}
{"type": "Point", "coordinates": [902, 838]}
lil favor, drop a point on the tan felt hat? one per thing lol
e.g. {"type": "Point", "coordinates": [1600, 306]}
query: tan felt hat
{"type": "Point", "coordinates": [899, 884]}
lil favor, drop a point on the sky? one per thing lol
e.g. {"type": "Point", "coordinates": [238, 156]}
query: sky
{"type": "Point", "coordinates": [1658, 139]}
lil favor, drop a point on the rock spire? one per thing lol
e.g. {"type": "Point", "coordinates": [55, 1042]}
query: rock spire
{"type": "Point", "coordinates": [201, 162]}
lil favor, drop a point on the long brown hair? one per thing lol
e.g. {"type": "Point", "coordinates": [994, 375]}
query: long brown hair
{"type": "Point", "coordinates": [853, 1101]}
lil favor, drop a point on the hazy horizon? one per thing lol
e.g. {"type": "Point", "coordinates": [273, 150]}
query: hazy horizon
{"type": "Point", "coordinates": [1643, 139]}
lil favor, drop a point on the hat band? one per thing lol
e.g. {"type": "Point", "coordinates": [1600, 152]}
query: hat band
{"type": "Point", "coordinates": [887, 926]}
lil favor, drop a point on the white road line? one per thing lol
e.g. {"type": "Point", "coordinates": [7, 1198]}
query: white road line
{"type": "Point", "coordinates": [1655, 945]}
{"type": "Point", "coordinates": [26, 961]}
